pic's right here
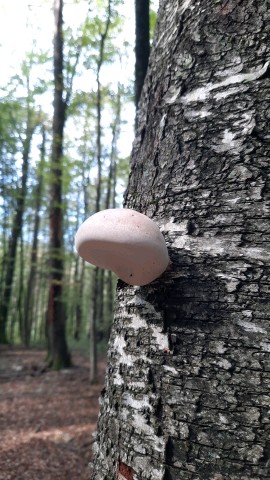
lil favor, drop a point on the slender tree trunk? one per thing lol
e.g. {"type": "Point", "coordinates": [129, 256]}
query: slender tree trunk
{"type": "Point", "coordinates": [107, 313]}
{"type": "Point", "coordinates": [36, 307]}
{"type": "Point", "coordinates": [187, 389]}
{"type": "Point", "coordinates": [78, 307]}
{"type": "Point", "coordinates": [142, 45]}
{"type": "Point", "coordinates": [93, 327]}
{"type": "Point", "coordinates": [28, 306]}
{"type": "Point", "coordinates": [97, 291]}
{"type": "Point", "coordinates": [110, 194]}
{"type": "Point", "coordinates": [4, 238]}
{"type": "Point", "coordinates": [20, 290]}
{"type": "Point", "coordinates": [43, 312]}
{"type": "Point", "coordinates": [79, 303]}
{"type": "Point", "coordinates": [15, 231]}
{"type": "Point", "coordinates": [58, 355]}
{"type": "Point", "coordinates": [110, 276]}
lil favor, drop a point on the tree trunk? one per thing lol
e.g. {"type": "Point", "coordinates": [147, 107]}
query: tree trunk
{"type": "Point", "coordinates": [16, 230]}
{"type": "Point", "coordinates": [110, 203]}
{"type": "Point", "coordinates": [97, 291]}
{"type": "Point", "coordinates": [4, 241]}
{"type": "Point", "coordinates": [19, 288]}
{"type": "Point", "coordinates": [29, 299]}
{"type": "Point", "coordinates": [187, 388]}
{"type": "Point", "coordinates": [142, 45]}
{"type": "Point", "coordinates": [79, 311]}
{"type": "Point", "coordinates": [80, 271]}
{"type": "Point", "coordinates": [56, 316]}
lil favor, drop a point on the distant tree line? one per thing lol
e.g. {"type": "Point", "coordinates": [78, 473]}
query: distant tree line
{"type": "Point", "coordinates": [57, 167]}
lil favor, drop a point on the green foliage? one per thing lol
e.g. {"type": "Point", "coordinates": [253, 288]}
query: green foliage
{"type": "Point", "coordinates": [29, 93]}
{"type": "Point", "coordinates": [153, 22]}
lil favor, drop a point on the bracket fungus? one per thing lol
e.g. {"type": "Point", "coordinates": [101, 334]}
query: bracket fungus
{"type": "Point", "coordinates": [126, 242]}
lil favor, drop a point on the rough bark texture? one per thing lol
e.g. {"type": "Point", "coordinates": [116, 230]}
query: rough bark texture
{"type": "Point", "coordinates": [59, 355]}
{"type": "Point", "coordinates": [187, 387]}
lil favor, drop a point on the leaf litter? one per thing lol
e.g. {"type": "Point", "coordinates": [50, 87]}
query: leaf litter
{"type": "Point", "coordinates": [47, 418]}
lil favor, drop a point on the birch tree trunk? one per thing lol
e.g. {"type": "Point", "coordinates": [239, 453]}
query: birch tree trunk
{"type": "Point", "coordinates": [187, 387]}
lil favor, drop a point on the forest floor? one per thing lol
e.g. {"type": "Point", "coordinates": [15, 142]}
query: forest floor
{"type": "Point", "coordinates": [47, 418]}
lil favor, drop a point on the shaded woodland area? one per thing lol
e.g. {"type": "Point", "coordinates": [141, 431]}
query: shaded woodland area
{"type": "Point", "coordinates": [40, 440]}
{"type": "Point", "coordinates": [66, 130]}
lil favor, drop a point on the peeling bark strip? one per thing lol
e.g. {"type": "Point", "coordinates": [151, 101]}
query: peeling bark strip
{"type": "Point", "coordinates": [187, 390]}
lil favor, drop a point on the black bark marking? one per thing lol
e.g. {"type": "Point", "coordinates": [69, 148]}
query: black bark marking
{"type": "Point", "coordinates": [167, 475]}
{"type": "Point", "coordinates": [169, 451]}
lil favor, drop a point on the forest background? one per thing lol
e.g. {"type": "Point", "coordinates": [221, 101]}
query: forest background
{"type": "Point", "coordinates": [98, 88]}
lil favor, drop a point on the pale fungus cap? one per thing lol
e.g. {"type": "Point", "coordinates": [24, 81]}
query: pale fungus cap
{"type": "Point", "coordinates": [126, 242]}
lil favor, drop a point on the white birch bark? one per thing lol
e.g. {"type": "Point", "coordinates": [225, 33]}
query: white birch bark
{"type": "Point", "coordinates": [188, 380]}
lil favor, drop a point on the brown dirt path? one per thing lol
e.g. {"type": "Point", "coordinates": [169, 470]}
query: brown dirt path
{"type": "Point", "coordinates": [47, 418]}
